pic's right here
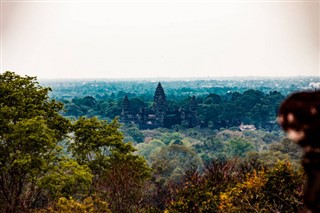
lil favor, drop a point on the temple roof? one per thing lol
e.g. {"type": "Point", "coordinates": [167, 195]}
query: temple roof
{"type": "Point", "coordinates": [159, 97]}
{"type": "Point", "coordinates": [126, 100]}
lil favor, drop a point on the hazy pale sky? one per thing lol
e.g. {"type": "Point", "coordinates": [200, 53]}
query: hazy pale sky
{"type": "Point", "coordinates": [143, 39]}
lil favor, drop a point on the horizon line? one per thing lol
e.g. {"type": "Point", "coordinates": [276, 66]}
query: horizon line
{"type": "Point", "coordinates": [180, 78]}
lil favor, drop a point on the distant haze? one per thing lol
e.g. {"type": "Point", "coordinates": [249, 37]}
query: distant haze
{"type": "Point", "coordinates": [149, 39]}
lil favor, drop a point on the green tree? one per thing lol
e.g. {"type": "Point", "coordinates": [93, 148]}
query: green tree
{"type": "Point", "coordinates": [211, 148]}
{"type": "Point", "coordinates": [167, 138]}
{"type": "Point", "coordinates": [213, 99]}
{"type": "Point", "coordinates": [30, 129]}
{"type": "Point", "coordinates": [239, 146]}
{"type": "Point", "coordinates": [66, 179]}
{"type": "Point", "coordinates": [119, 175]}
{"type": "Point", "coordinates": [200, 193]}
{"type": "Point", "coordinates": [171, 162]}
{"type": "Point", "coordinates": [147, 149]}
{"type": "Point", "coordinates": [133, 132]}
{"type": "Point", "coordinates": [123, 183]}
{"type": "Point", "coordinates": [95, 141]}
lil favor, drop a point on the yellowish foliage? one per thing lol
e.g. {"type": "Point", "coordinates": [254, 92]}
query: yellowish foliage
{"type": "Point", "coordinates": [88, 205]}
{"type": "Point", "coordinates": [274, 189]}
{"type": "Point", "coordinates": [242, 193]}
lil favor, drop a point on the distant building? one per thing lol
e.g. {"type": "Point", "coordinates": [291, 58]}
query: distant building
{"type": "Point", "coordinates": [126, 110]}
{"type": "Point", "coordinates": [243, 127]}
{"type": "Point", "coordinates": [159, 105]}
{"type": "Point", "coordinates": [192, 113]}
{"type": "Point", "coordinates": [159, 115]}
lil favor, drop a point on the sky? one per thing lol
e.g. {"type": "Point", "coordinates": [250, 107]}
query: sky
{"type": "Point", "coordinates": [154, 38]}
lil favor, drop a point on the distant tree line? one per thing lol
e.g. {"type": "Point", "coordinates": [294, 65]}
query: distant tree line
{"type": "Point", "coordinates": [104, 88]}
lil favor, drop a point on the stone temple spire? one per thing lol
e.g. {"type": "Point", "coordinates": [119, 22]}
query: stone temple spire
{"type": "Point", "coordinates": [160, 105]}
{"type": "Point", "coordinates": [193, 119]}
{"type": "Point", "coordinates": [126, 109]}
{"type": "Point", "coordinates": [193, 104]}
{"type": "Point", "coordinates": [159, 94]}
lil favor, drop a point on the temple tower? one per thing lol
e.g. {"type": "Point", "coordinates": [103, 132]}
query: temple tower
{"type": "Point", "coordinates": [126, 109]}
{"type": "Point", "coordinates": [160, 105]}
{"type": "Point", "coordinates": [193, 107]}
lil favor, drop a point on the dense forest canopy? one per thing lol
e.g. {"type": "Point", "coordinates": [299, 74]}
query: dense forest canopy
{"type": "Point", "coordinates": [221, 103]}
{"type": "Point", "coordinates": [75, 156]}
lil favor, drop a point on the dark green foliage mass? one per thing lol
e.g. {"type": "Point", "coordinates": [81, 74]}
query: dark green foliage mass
{"type": "Point", "coordinates": [132, 133]}
{"type": "Point", "coordinates": [119, 175]}
{"type": "Point", "coordinates": [31, 128]}
{"type": "Point", "coordinates": [36, 172]}
{"type": "Point", "coordinates": [94, 141]}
